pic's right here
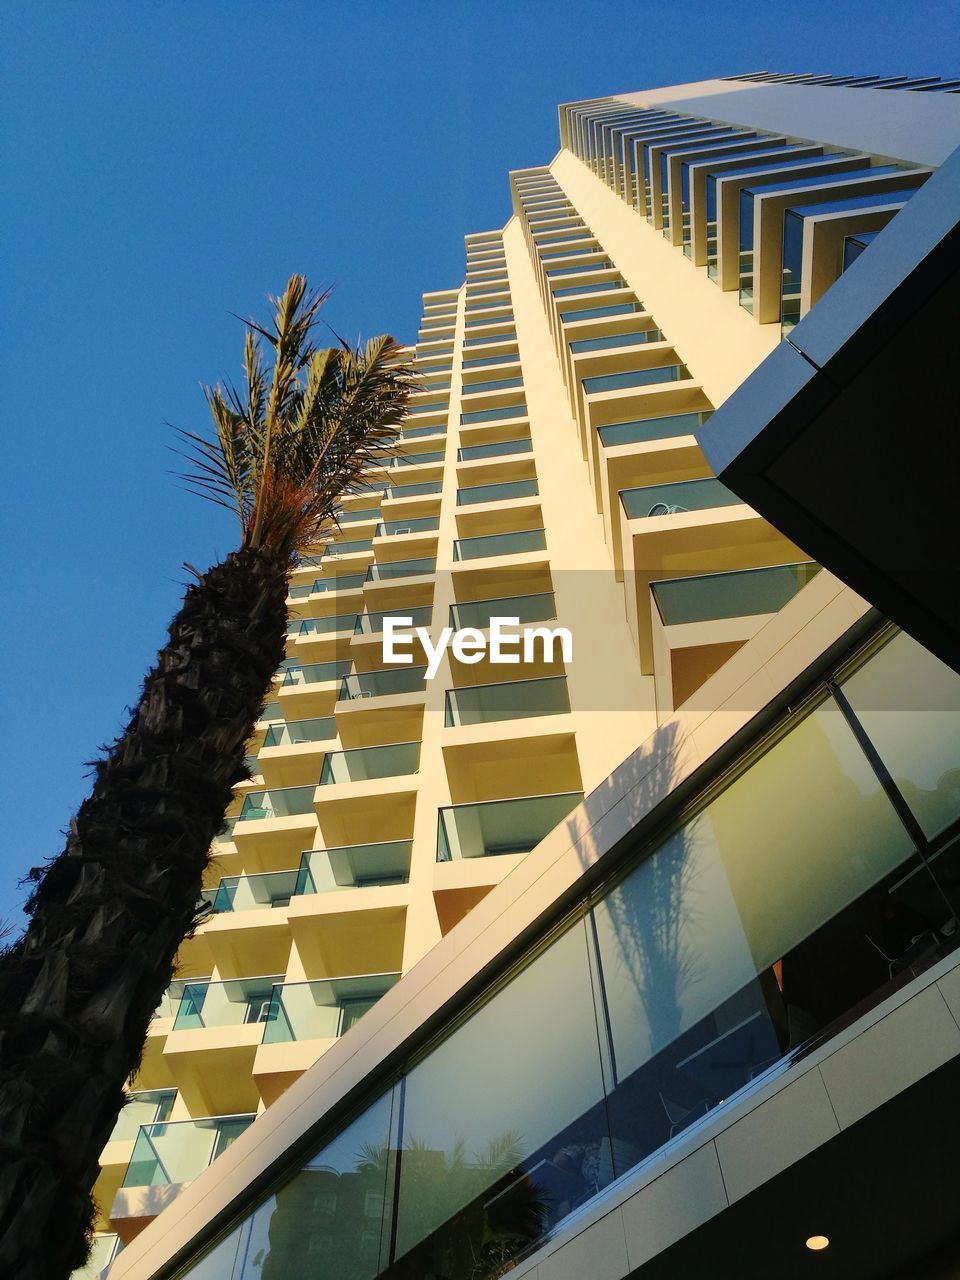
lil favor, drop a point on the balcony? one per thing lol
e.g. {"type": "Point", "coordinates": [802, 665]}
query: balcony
{"type": "Point", "coordinates": [323, 1010]}
{"type": "Point", "coordinates": [672, 499]}
{"type": "Point", "coordinates": [741, 593]}
{"type": "Point", "coordinates": [642, 430]}
{"type": "Point", "coordinates": [536, 607]}
{"type": "Point", "coordinates": [238, 1002]}
{"type": "Point", "coordinates": [387, 570]}
{"type": "Point", "coordinates": [495, 827]}
{"type": "Point", "coordinates": [355, 866]}
{"type": "Point", "coordinates": [495, 414]}
{"type": "Point", "coordinates": [506, 700]}
{"type": "Point", "coordinates": [499, 544]}
{"type": "Point", "coordinates": [346, 547]}
{"type": "Point", "coordinates": [323, 586]}
{"type": "Point", "coordinates": [297, 732]}
{"type": "Point", "coordinates": [419, 524]}
{"type": "Point", "coordinates": [506, 491]}
{"type": "Point", "coordinates": [278, 802]}
{"type": "Point", "coordinates": [142, 1107]}
{"type": "Point", "coordinates": [382, 684]}
{"type": "Point", "coordinates": [177, 1151]}
{"type": "Point", "coordinates": [398, 491]}
{"type": "Point", "coordinates": [636, 378]}
{"type": "Point", "coordinates": [364, 764]}
{"type": "Point", "coordinates": [360, 515]}
{"type": "Point", "coordinates": [372, 623]}
{"type": "Point", "coordinates": [329, 624]}
{"type": "Point", "coordinates": [254, 892]}
{"type": "Point", "coordinates": [495, 449]}
{"type": "Point", "coordinates": [316, 672]}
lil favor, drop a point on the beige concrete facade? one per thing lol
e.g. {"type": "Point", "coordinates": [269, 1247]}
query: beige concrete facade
{"type": "Point", "coordinates": [398, 832]}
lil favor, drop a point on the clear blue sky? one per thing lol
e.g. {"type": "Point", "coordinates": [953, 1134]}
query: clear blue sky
{"type": "Point", "coordinates": [166, 164]}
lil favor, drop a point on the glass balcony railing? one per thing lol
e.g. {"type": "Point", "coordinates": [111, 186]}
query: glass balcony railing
{"type": "Point", "coordinates": [278, 802]}
{"type": "Point", "coordinates": [502, 492]}
{"type": "Point", "coordinates": [499, 544]}
{"type": "Point", "coordinates": [740, 594]}
{"type": "Point", "coordinates": [493, 415]}
{"type": "Point", "coordinates": [488, 339]}
{"type": "Point", "coordinates": [324, 626]}
{"type": "Point", "coordinates": [639, 431]}
{"type": "Point", "coordinates": [346, 547]}
{"type": "Point", "coordinates": [611, 340]}
{"type": "Point", "coordinates": [683, 495]}
{"type": "Point", "coordinates": [104, 1247]}
{"type": "Point", "coordinates": [415, 433]}
{"type": "Point", "coordinates": [383, 571]}
{"type": "Point", "coordinates": [496, 449]}
{"type": "Point", "coordinates": [507, 700]}
{"type": "Point", "coordinates": [362, 764]}
{"type": "Point", "coordinates": [252, 765]}
{"type": "Point", "coordinates": [536, 607]}
{"type": "Point", "coordinates": [437, 406]}
{"type": "Point", "coordinates": [238, 1002]}
{"type": "Point", "coordinates": [178, 1151]}
{"type": "Point", "coordinates": [170, 1000]}
{"type": "Point", "coordinates": [299, 592]}
{"type": "Point", "coordinates": [483, 361]}
{"type": "Point", "coordinates": [372, 623]}
{"type": "Point", "coordinates": [250, 893]}
{"type": "Point", "coordinates": [414, 490]}
{"type": "Point", "coordinates": [338, 582]}
{"type": "Point", "coordinates": [500, 826]}
{"type": "Point", "coordinates": [142, 1107]}
{"type": "Point", "coordinates": [636, 378]}
{"type": "Point", "coordinates": [421, 524]}
{"type": "Point", "coordinates": [296, 732]}
{"type": "Point", "coordinates": [271, 711]}
{"type": "Point", "coordinates": [416, 459]}
{"type": "Point", "coordinates": [309, 562]}
{"type": "Point", "coordinates": [226, 831]}
{"type": "Point", "coordinates": [491, 384]}
{"type": "Point", "coordinates": [380, 684]}
{"type": "Point", "coordinates": [354, 866]}
{"type": "Point", "coordinates": [359, 516]}
{"type": "Point", "coordinates": [315, 673]}
{"type": "Point", "coordinates": [323, 1010]}
{"type": "Point", "coordinates": [599, 286]}
{"type": "Point", "coordinates": [570, 316]}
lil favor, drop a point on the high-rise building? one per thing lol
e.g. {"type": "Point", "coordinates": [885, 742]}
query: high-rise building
{"type": "Point", "coordinates": [629, 949]}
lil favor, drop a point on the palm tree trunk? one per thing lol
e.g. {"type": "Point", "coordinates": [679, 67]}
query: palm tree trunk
{"type": "Point", "coordinates": [108, 914]}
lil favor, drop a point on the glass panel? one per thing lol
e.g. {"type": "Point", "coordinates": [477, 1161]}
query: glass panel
{"type": "Point", "coordinates": [340, 582]}
{"type": "Point", "coordinates": [103, 1249]}
{"type": "Point", "coordinates": [591, 313]}
{"type": "Point", "coordinates": [330, 623]}
{"type": "Point", "coordinates": [278, 802]}
{"type": "Point", "coordinates": [376, 684]}
{"type": "Point", "coordinates": [315, 672]}
{"type": "Point", "coordinates": [372, 623]}
{"type": "Point", "coordinates": [636, 378]}
{"type": "Point", "coordinates": [295, 732]}
{"type": "Point", "coordinates": [250, 893]}
{"type": "Point", "coordinates": [669, 499]}
{"type": "Point", "coordinates": [235, 1003]}
{"type": "Point", "coordinates": [422, 524]}
{"type": "Point", "coordinates": [142, 1108]}
{"type": "Point", "coordinates": [707, 969]}
{"type": "Point", "coordinates": [414, 490]}
{"type": "Point", "coordinates": [538, 607]}
{"type": "Point", "coordinates": [510, 700]}
{"type": "Point", "coordinates": [497, 492]}
{"type": "Point", "coordinates": [331, 1221]}
{"type": "Point", "coordinates": [499, 544]}
{"type": "Point", "coordinates": [325, 1009]}
{"type": "Point", "coordinates": [381, 570]}
{"type": "Point", "coordinates": [179, 1151]}
{"type": "Point", "coordinates": [643, 429]}
{"type": "Point", "coordinates": [740, 594]}
{"type": "Point", "coordinates": [617, 340]}
{"type": "Point", "coordinates": [484, 1171]}
{"type": "Point", "coordinates": [355, 866]}
{"type": "Point", "coordinates": [573, 291]}
{"type": "Point", "coordinates": [495, 827]}
{"type": "Point", "coordinates": [909, 703]}
{"type": "Point", "coordinates": [497, 449]}
{"type": "Point", "coordinates": [493, 415]}
{"type": "Point", "coordinates": [363, 763]}
{"type": "Point", "coordinates": [493, 384]}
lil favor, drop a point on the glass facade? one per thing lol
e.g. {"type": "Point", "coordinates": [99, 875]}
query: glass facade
{"type": "Point", "coordinates": [806, 885]}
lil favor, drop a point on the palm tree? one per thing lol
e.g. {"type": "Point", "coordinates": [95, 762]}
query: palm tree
{"type": "Point", "coordinates": [108, 914]}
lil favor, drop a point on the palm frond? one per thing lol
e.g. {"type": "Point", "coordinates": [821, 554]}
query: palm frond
{"type": "Point", "coordinates": [289, 443]}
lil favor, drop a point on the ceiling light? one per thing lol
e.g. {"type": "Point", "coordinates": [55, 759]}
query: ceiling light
{"type": "Point", "coordinates": [816, 1243]}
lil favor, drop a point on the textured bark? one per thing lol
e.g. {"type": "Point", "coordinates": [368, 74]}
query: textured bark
{"type": "Point", "coordinates": [108, 914]}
